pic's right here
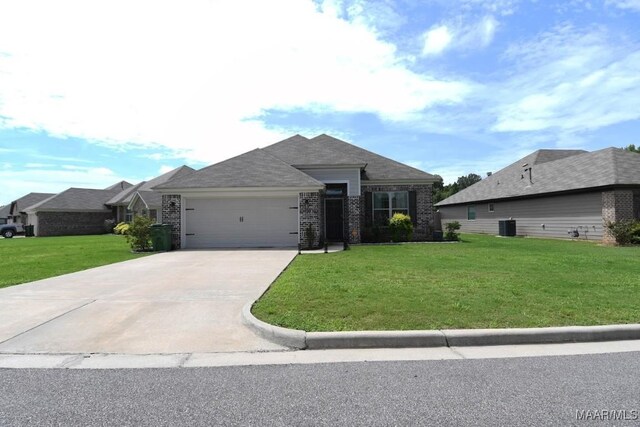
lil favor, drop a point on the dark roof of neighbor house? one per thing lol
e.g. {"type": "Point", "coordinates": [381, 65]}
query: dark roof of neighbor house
{"type": "Point", "coordinates": [124, 197]}
{"type": "Point", "coordinates": [554, 171]}
{"type": "Point", "coordinates": [122, 185]}
{"type": "Point", "coordinates": [327, 150]}
{"type": "Point", "coordinates": [4, 211]}
{"type": "Point", "coordinates": [256, 168]}
{"type": "Point", "coordinates": [25, 201]}
{"type": "Point", "coordinates": [76, 199]}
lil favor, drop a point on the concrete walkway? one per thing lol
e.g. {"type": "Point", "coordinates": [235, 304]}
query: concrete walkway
{"type": "Point", "coordinates": [175, 302]}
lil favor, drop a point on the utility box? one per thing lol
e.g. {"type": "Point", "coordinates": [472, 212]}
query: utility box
{"type": "Point", "coordinates": [507, 227]}
{"type": "Point", "coordinates": [161, 237]}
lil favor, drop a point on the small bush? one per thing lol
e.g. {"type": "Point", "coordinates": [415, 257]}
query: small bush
{"type": "Point", "coordinates": [401, 227]}
{"type": "Point", "coordinates": [109, 225]}
{"type": "Point", "coordinates": [122, 228]}
{"type": "Point", "coordinates": [626, 231]}
{"type": "Point", "coordinates": [310, 236]}
{"type": "Point", "coordinates": [139, 235]}
{"type": "Point", "coordinates": [452, 231]}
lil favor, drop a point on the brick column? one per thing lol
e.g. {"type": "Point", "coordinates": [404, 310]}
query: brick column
{"type": "Point", "coordinates": [171, 214]}
{"type": "Point", "coordinates": [617, 205]}
{"type": "Point", "coordinates": [310, 215]}
{"type": "Point", "coordinates": [353, 218]}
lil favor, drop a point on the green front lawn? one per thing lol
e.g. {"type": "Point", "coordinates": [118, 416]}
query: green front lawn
{"type": "Point", "coordinates": [483, 282]}
{"type": "Point", "coordinates": [29, 259]}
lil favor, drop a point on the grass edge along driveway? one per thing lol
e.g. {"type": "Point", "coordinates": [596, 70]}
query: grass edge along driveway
{"type": "Point", "coordinates": [482, 282]}
{"type": "Point", "coordinates": [28, 259]}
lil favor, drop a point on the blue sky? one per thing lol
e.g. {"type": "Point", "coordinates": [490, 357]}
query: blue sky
{"type": "Point", "coordinates": [94, 92]}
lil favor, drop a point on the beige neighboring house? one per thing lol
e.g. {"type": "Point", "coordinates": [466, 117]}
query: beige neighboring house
{"type": "Point", "coordinates": [553, 193]}
{"type": "Point", "coordinates": [139, 199]}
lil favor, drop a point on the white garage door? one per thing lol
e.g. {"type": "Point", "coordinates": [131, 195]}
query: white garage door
{"type": "Point", "coordinates": [250, 222]}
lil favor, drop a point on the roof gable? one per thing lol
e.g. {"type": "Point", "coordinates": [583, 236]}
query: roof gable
{"type": "Point", "coordinates": [256, 168]}
{"type": "Point", "coordinates": [27, 200]}
{"type": "Point", "coordinates": [572, 170]}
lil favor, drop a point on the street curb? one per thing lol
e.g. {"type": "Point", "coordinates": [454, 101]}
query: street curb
{"type": "Point", "coordinates": [293, 338]}
{"type": "Point", "coordinates": [375, 339]}
{"type": "Point", "coordinates": [562, 334]}
{"type": "Point", "coordinates": [299, 339]}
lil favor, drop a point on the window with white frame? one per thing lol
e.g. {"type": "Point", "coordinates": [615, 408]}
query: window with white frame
{"type": "Point", "coordinates": [128, 217]}
{"type": "Point", "coordinates": [386, 203]}
{"type": "Point", "coordinates": [491, 207]}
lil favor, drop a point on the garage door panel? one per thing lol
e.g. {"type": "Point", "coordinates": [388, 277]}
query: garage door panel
{"type": "Point", "coordinates": [247, 222]}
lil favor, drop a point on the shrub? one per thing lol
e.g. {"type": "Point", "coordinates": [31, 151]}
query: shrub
{"type": "Point", "coordinates": [122, 228]}
{"type": "Point", "coordinates": [109, 225]}
{"type": "Point", "coordinates": [626, 231]}
{"type": "Point", "coordinates": [310, 235]}
{"type": "Point", "coordinates": [139, 235]}
{"type": "Point", "coordinates": [401, 227]}
{"type": "Point", "coordinates": [452, 231]}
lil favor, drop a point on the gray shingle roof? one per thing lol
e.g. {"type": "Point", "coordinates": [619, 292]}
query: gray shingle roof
{"type": "Point", "coordinates": [327, 150]}
{"type": "Point", "coordinates": [119, 186]}
{"type": "Point", "coordinates": [25, 201]}
{"type": "Point", "coordinates": [555, 171]}
{"type": "Point", "coordinates": [256, 168]}
{"type": "Point", "coordinates": [150, 198]}
{"type": "Point", "coordinates": [4, 211]}
{"type": "Point", "coordinates": [76, 199]}
{"type": "Point", "coordinates": [124, 197]}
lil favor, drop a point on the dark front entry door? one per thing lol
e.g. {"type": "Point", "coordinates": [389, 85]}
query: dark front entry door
{"type": "Point", "coordinates": [334, 220]}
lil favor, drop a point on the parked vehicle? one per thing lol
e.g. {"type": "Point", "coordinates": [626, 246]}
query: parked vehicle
{"type": "Point", "coordinates": [9, 230]}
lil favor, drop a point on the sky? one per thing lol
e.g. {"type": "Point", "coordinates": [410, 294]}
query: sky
{"type": "Point", "coordinates": [93, 92]}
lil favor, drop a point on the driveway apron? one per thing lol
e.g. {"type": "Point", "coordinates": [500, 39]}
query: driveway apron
{"type": "Point", "coordinates": [174, 302]}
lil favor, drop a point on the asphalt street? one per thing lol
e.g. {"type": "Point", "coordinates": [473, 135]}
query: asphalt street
{"type": "Point", "coordinates": [537, 391]}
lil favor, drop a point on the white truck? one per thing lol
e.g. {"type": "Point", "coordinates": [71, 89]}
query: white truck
{"type": "Point", "coordinates": [9, 230]}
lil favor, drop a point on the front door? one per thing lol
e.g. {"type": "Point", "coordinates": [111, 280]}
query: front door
{"type": "Point", "coordinates": [333, 210]}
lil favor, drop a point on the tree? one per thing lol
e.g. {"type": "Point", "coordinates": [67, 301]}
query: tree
{"type": "Point", "coordinates": [467, 181]}
{"type": "Point", "coordinates": [441, 191]}
{"type": "Point", "coordinates": [632, 148]}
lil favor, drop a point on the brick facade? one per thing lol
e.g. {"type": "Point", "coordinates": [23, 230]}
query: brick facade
{"type": "Point", "coordinates": [311, 211]}
{"type": "Point", "coordinates": [71, 223]}
{"type": "Point", "coordinates": [171, 213]}
{"type": "Point", "coordinates": [617, 205]}
{"type": "Point", "coordinates": [424, 220]}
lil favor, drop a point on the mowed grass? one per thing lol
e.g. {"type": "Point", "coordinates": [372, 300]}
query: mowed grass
{"type": "Point", "coordinates": [29, 259]}
{"type": "Point", "coordinates": [483, 282]}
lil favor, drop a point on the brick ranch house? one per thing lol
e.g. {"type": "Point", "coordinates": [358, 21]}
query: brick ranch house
{"type": "Point", "coordinates": [298, 190]}
{"type": "Point", "coordinates": [551, 193]}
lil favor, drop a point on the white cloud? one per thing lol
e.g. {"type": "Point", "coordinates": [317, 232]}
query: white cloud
{"type": "Point", "coordinates": [570, 81]}
{"type": "Point", "coordinates": [624, 4]}
{"type": "Point", "coordinates": [436, 40]}
{"type": "Point", "coordinates": [458, 35]}
{"type": "Point", "coordinates": [196, 77]}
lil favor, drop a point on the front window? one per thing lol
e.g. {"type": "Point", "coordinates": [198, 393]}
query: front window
{"type": "Point", "coordinates": [128, 216]}
{"type": "Point", "coordinates": [153, 214]}
{"type": "Point", "coordinates": [385, 204]}
{"type": "Point", "coordinates": [471, 213]}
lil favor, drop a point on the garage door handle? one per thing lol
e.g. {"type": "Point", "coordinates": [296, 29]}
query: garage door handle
{"type": "Point", "coordinates": [191, 234]}
{"type": "Point", "coordinates": [293, 232]}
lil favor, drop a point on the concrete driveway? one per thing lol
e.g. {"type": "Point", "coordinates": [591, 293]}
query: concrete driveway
{"type": "Point", "coordinates": [175, 302]}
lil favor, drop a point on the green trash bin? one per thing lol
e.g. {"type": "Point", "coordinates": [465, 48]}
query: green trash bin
{"type": "Point", "coordinates": [161, 237]}
{"type": "Point", "coordinates": [28, 231]}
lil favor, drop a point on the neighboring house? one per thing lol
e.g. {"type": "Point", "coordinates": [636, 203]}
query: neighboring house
{"type": "Point", "coordinates": [139, 199]}
{"type": "Point", "coordinates": [295, 191]}
{"type": "Point", "coordinates": [552, 193]}
{"type": "Point", "coordinates": [74, 211]}
{"type": "Point", "coordinates": [13, 212]}
{"type": "Point", "coordinates": [4, 214]}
